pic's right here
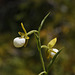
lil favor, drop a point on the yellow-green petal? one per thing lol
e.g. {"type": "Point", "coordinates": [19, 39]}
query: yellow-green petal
{"type": "Point", "coordinates": [27, 37]}
{"type": "Point", "coordinates": [48, 54]}
{"type": "Point", "coordinates": [52, 43]}
{"type": "Point", "coordinates": [26, 43]}
{"type": "Point", "coordinates": [23, 28]}
{"type": "Point", "coordinates": [21, 34]}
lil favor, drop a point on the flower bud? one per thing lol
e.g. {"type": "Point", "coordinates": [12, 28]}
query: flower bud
{"type": "Point", "coordinates": [19, 42]}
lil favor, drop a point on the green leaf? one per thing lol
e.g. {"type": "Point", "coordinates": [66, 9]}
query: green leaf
{"type": "Point", "coordinates": [52, 43]}
{"type": "Point", "coordinates": [52, 61]}
{"type": "Point", "coordinates": [43, 21]}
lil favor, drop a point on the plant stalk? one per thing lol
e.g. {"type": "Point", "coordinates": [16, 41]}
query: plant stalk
{"type": "Point", "coordinates": [41, 57]}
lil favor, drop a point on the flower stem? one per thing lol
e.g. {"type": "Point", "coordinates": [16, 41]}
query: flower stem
{"type": "Point", "coordinates": [42, 60]}
{"type": "Point", "coordinates": [39, 49]}
{"type": "Point", "coordinates": [44, 46]}
{"type": "Point", "coordinates": [44, 72]}
{"type": "Point", "coordinates": [31, 32]}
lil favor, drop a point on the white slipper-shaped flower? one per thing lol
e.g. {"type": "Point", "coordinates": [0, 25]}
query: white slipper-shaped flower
{"type": "Point", "coordinates": [23, 40]}
{"type": "Point", "coordinates": [19, 42]}
{"type": "Point", "coordinates": [51, 51]}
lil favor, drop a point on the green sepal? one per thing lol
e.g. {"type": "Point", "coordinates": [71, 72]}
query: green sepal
{"type": "Point", "coordinates": [52, 43]}
{"type": "Point", "coordinates": [43, 21]}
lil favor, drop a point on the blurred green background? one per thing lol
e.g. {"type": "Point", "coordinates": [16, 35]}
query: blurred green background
{"type": "Point", "coordinates": [60, 24]}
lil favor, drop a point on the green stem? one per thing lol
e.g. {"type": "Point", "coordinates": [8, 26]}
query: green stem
{"type": "Point", "coordinates": [31, 32]}
{"type": "Point", "coordinates": [42, 60]}
{"type": "Point", "coordinates": [44, 72]}
{"type": "Point", "coordinates": [44, 46]}
{"type": "Point", "coordinates": [39, 49]}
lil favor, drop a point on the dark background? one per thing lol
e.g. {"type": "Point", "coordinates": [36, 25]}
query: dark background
{"type": "Point", "coordinates": [60, 24]}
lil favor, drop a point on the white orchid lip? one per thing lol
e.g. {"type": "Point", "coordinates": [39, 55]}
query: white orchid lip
{"type": "Point", "coordinates": [53, 52]}
{"type": "Point", "coordinates": [19, 42]}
